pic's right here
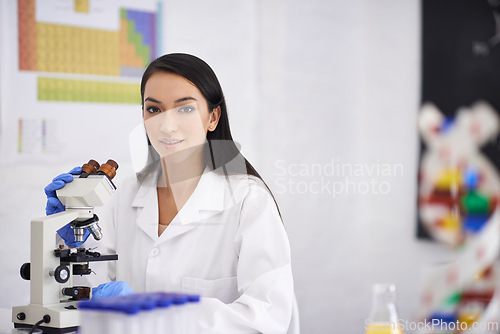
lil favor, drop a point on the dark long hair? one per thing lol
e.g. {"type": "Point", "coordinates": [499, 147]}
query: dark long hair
{"type": "Point", "coordinates": [222, 153]}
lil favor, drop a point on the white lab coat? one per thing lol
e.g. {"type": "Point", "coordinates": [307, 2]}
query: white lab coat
{"type": "Point", "coordinates": [227, 244]}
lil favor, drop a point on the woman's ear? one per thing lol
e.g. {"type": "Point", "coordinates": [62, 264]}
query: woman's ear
{"type": "Point", "coordinates": [214, 118]}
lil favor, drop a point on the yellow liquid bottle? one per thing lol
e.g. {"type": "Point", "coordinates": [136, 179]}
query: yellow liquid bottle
{"type": "Point", "coordinates": [383, 318]}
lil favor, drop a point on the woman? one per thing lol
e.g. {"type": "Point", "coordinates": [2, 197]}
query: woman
{"type": "Point", "coordinates": [199, 218]}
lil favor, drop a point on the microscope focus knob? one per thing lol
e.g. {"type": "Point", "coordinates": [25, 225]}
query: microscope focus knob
{"type": "Point", "coordinates": [26, 271]}
{"type": "Point", "coordinates": [61, 274]}
{"type": "Point", "coordinates": [72, 292]}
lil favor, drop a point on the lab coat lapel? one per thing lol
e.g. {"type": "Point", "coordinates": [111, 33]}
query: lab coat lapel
{"type": "Point", "coordinates": [207, 197]}
{"type": "Point", "coordinates": [146, 204]}
{"type": "Point", "coordinates": [206, 200]}
{"type": "Point", "coordinates": [210, 195]}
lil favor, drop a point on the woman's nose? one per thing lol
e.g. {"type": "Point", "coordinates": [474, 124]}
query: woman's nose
{"type": "Point", "coordinates": [168, 122]}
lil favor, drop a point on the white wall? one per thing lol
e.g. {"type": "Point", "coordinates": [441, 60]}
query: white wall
{"type": "Point", "coordinates": [347, 91]}
{"type": "Point", "coordinates": [306, 83]}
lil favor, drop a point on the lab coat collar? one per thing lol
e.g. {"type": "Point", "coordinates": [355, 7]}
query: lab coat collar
{"type": "Point", "coordinates": [206, 200]}
{"type": "Point", "coordinates": [209, 193]}
{"type": "Point", "coordinates": [146, 188]}
{"type": "Point", "coordinates": [207, 196]}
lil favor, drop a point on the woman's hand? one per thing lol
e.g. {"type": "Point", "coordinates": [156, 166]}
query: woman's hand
{"type": "Point", "coordinates": [111, 289]}
{"type": "Point", "coordinates": [54, 205]}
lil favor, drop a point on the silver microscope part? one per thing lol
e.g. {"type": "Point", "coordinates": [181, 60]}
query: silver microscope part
{"type": "Point", "coordinates": [79, 233]}
{"type": "Point", "coordinates": [95, 229]}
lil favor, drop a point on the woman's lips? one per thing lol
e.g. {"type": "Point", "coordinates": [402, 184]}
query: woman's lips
{"type": "Point", "coordinates": [170, 144]}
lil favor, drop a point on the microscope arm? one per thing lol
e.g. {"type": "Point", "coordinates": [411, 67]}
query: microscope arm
{"type": "Point", "coordinates": [43, 234]}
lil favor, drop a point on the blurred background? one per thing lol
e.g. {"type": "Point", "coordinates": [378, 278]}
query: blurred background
{"type": "Point", "coordinates": [323, 96]}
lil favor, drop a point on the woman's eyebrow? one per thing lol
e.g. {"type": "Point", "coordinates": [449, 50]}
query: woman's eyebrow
{"type": "Point", "coordinates": [151, 99]}
{"type": "Point", "coordinates": [182, 99]}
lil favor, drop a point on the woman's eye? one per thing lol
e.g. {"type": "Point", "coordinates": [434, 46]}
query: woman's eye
{"type": "Point", "coordinates": [186, 109]}
{"type": "Point", "coordinates": [153, 110]}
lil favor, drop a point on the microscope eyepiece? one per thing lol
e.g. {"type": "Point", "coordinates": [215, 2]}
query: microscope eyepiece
{"type": "Point", "coordinates": [90, 167]}
{"type": "Point", "coordinates": [109, 168]}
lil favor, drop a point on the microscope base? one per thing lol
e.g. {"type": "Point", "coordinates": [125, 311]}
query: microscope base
{"type": "Point", "coordinates": [62, 320]}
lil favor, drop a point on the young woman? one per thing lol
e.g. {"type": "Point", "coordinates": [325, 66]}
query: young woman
{"type": "Point", "coordinates": [199, 219]}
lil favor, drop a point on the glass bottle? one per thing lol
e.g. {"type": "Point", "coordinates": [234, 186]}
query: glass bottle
{"type": "Point", "coordinates": [383, 317]}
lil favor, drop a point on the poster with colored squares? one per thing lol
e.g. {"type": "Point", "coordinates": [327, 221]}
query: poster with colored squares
{"type": "Point", "coordinates": [68, 58]}
{"type": "Point", "coordinates": [85, 37]}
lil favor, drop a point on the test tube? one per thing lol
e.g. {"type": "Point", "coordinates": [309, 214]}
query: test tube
{"type": "Point", "coordinates": [148, 315]}
{"type": "Point", "coordinates": [163, 321]}
{"type": "Point", "coordinates": [192, 321]}
{"type": "Point", "coordinates": [91, 318]}
{"type": "Point", "coordinates": [179, 312]}
{"type": "Point", "coordinates": [141, 313]}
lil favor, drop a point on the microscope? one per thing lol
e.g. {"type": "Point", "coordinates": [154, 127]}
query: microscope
{"type": "Point", "coordinates": [53, 298]}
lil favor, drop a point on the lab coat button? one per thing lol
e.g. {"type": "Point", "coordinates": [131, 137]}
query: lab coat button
{"type": "Point", "coordinates": [155, 251]}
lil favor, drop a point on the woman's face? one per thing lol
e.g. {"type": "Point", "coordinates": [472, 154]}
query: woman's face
{"type": "Point", "coordinates": [176, 116]}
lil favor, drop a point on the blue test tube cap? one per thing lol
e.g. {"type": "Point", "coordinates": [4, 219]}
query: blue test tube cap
{"type": "Point", "coordinates": [147, 302]}
{"type": "Point", "coordinates": [129, 307]}
{"type": "Point", "coordinates": [180, 299]}
{"type": "Point", "coordinates": [193, 298]}
{"type": "Point", "coordinates": [135, 303]}
{"type": "Point", "coordinates": [121, 304]}
{"type": "Point", "coordinates": [165, 299]}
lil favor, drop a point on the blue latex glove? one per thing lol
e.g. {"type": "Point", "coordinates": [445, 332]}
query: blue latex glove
{"type": "Point", "coordinates": [54, 205]}
{"type": "Point", "coordinates": [111, 289]}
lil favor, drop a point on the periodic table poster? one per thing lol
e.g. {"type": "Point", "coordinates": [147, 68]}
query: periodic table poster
{"type": "Point", "coordinates": [71, 74]}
